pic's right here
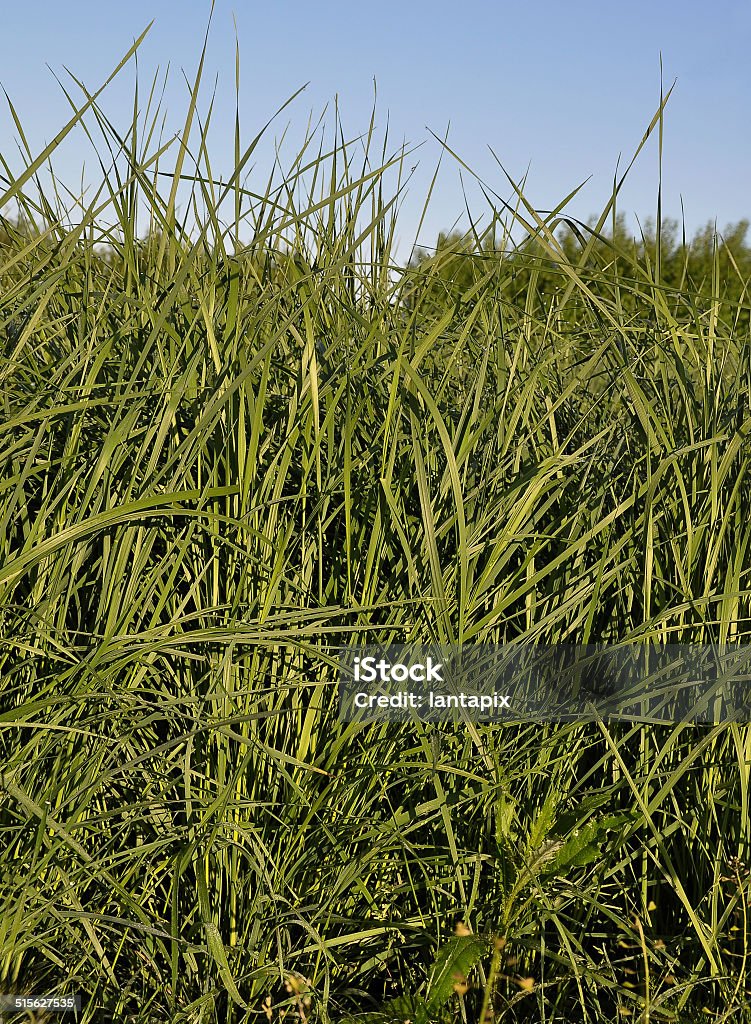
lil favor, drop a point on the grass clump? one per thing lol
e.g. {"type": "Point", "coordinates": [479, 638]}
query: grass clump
{"type": "Point", "coordinates": [247, 435]}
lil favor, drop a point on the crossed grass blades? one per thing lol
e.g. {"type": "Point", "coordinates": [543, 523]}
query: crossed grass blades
{"type": "Point", "coordinates": [237, 436]}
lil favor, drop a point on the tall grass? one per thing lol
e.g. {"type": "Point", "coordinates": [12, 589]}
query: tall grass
{"type": "Point", "coordinates": [251, 436]}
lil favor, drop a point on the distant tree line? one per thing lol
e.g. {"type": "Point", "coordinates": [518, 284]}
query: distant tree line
{"type": "Point", "coordinates": [710, 267]}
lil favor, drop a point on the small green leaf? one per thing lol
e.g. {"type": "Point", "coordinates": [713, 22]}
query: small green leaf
{"type": "Point", "coordinates": [582, 847]}
{"type": "Point", "coordinates": [543, 822]}
{"type": "Point", "coordinates": [453, 963]}
{"type": "Point", "coordinates": [505, 817]}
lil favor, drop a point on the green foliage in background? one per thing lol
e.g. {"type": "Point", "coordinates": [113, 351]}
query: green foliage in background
{"type": "Point", "coordinates": [711, 266]}
{"type": "Point", "coordinates": [235, 434]}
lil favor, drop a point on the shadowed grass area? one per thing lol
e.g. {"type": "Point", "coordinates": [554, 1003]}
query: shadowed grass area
{"type": "Point", "coordinates": [251, 436]}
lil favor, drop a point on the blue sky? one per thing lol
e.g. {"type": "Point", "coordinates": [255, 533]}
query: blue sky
{"type": "Point", "coordinates": [556, 89]}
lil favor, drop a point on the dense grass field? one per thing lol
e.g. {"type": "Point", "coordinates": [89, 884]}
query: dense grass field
{"type": "Point", "coordinates": [237, 433]}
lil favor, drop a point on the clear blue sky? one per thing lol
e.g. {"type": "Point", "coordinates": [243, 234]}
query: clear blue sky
{"type": "Point", "coordinates": [561, 88]}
